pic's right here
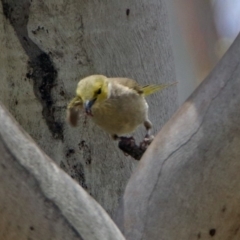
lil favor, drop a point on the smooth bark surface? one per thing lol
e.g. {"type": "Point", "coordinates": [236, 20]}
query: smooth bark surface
{"type": "Point", "coordinates": [40, 201]}
{"type": "Point", "coordinates": [48, 46]}
{"type": "Point", "coordinates": [187, 185]}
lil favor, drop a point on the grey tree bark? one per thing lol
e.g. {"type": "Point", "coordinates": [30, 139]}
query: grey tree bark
{"type": "Point", "coordinates": [47, 46]}
{"type": "Point", "coordinates": [38, 200]}
{"type": "Point", "coordinates": [187, 185]}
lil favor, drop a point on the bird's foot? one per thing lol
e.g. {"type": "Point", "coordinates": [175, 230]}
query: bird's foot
{"type": "Point", "coordinates": [146, 142]}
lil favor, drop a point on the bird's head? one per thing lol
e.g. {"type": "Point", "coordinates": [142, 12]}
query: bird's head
{"type": "Point", "coordinates": [91, 90]}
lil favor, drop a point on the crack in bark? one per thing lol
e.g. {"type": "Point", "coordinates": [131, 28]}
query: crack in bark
{"type": "Point", "coordinates": [41, 67]}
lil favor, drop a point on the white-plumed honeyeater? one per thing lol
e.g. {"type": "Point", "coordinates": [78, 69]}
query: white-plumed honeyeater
{"type": "Point", "coordinates": [117, 105]}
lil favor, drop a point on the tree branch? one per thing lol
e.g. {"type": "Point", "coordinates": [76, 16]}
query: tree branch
{"type": "Point", "coordinates": [40, 201]}
{"type": "Point", "coordinates": [187, 185]}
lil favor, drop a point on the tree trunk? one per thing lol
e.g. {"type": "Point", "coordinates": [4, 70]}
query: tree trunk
{"type": "Point", "coordinates": [187, 185]}
{"type": "Point", "coordinates": [47, 46]}
{"type": "Point", "coordinates": [40, 201]}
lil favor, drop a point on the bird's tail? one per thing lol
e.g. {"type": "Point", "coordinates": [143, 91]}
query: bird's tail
{"type": "Point", "coordinates": [150, 89]}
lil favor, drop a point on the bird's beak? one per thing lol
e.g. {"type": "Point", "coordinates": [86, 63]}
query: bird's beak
{"type": "Point", "coordinates": [88, 105]}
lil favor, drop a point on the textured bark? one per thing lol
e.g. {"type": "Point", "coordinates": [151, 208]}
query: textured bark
{"type": "Point", "coordinates": [187, 185]}
{"type": "Point", "coordinates": [47, 46]}
{"type": "Point", "coordinates": [40, 201]}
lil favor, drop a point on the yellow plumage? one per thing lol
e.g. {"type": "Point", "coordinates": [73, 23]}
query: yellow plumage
{"type": "Point", "coordinates": [117, 105]}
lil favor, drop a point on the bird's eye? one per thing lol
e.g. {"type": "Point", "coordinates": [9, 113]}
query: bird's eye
{"type": "Point", "coordinates": [99, 91]}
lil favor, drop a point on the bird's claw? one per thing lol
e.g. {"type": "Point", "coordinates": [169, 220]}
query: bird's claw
{"type": "Point", "coordinates": [146, 142]}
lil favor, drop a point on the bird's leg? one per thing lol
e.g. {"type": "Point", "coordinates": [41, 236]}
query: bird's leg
{"type": "Point", "coordinates": [148, 126]}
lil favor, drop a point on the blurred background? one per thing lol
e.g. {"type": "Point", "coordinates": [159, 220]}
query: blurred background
{"type": "Point", "coordinates": [201, 32]}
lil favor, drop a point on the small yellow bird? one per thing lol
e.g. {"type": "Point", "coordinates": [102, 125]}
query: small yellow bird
{"type": "Point", "coordinates": [117, 105]}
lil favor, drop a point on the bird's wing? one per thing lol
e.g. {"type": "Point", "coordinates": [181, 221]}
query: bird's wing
{"type": "Point", "coordinates": [127, 82]}
{"type": "Point", "coordinates": [152, 88]}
